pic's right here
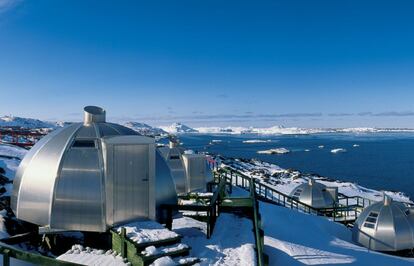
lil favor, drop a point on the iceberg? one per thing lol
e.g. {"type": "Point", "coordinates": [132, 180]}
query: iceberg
{"type": "Point", "coordinates": [338, 150]}
{"type": "Point", "coordinates": [274, 151]}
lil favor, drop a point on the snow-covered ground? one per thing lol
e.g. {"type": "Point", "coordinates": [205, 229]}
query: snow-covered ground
{"type": "Point", "coordinates": [232, 242]}
{"type": "Point", "coordinates": [9, 160]}
{"type": "Point", "coordinates": [12, 151]}
{"type": "Point", "coordinates": [294, 238]}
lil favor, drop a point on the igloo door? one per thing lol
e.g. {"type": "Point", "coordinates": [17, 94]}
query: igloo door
{"type": "Point", "coordinates": [130, 178]}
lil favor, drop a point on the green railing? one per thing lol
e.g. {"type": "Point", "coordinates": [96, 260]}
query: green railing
{"type": "Point", "coordinates": [211, 208]}
{"type": "Point", "coordinates": [262, 258]}
{"type": "Point", "coordinates": [9, 251]}
{"type": "Point", "coordinates": [347, 210]}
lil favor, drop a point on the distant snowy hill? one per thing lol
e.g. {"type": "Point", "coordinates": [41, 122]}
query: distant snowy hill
{"type": "Point", "coordinates": [15, 121]}
{"type": "Point", "coordinates": [178, 128]}
{"type": "Point", "coordinates": [275, 130]}
{"type": "Point", "coordinates": [144, 129]}
{"type": "Point", "coordinates": [280, 130]}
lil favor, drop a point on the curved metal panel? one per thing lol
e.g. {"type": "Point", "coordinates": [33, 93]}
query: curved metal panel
{"type": "Point", "coordinates": [24, 164]}
{"type": "Point", "coordinates": [174, 161]}
{"type": "Point", "coordinates": [78, 196]}
{"type": "Point", "coordinates": [121, 129]}
{"type": "Point", "coordinates": [87, 132]}
{"type": "Point", "coordinates": [165, 192]}
{"type": "Point", "coordinates": [38, 178]}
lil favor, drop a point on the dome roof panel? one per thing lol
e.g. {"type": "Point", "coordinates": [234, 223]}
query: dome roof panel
{"type": "Point", "coordinates": [313, 194]}
{"type": "Point", "coordinates": [87, 132]}
{"type": "Point", "coordinates": [391, 230]}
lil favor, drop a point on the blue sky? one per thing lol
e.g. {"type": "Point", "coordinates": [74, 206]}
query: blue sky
{"type": "Point", "coordinates": [259, 63]}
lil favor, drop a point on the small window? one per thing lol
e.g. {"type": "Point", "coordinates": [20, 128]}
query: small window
{"type": "Point", "coordinates": [297, 192]}
{"type": "Point", "coordinates": [369, 225]}
{"type": "Point", "coordinates": [371, 220]}
{"type": "Point", "coordinates": [373, 214]}
{"type": "Point", "coordinates": [174, 157]}
{"type": "Point", "coordinates": [84, 144]}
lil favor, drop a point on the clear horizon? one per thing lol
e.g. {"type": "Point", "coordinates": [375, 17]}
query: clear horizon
{"type": "Point", "coordinates": [235, 63]}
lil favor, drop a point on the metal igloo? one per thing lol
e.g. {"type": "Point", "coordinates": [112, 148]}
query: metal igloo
{"type": "Point", "coordinates": [172, 155]}
{"type": "Point", "coordinates": [315, 194]}
{"type": "Point", "coordinates": [190, 171]}
{"type": "Point", "coordinates": [385, 226]}
{"type": "Point", "coordinates": [90, 176]}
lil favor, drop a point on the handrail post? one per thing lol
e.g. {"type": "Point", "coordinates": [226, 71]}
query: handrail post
{"type": "Point", "coordinates": [123, 243]}
{"type": "Point", "coordinates": [6, 257]}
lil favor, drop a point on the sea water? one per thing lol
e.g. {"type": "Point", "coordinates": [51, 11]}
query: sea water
{"type": "Point", "coordinates": [382, 161]}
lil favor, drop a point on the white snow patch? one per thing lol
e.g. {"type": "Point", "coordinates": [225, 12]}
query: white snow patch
{"type": "Point", "coordinates": [320, 242]}
{"type": "Point", "coordinates": [90, 256]}
{"type": "Point", "coordinates": [146, 231]}
{"type": "Point", "coordinates": [152, 250]}
{"type": "Point", "coordinates": [232, 242]}
{"type": "Point", "coordinates": [164, 261]}
{"type": "Point", "coordinates": [12, 151]}
{"type": "Point", "coordinates": [3, 231]}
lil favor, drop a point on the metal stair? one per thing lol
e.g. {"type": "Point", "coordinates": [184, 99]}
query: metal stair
{"type": "Point", "coordinates": [143, 254]}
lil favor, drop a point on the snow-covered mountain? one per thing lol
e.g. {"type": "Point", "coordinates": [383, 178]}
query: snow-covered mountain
{"type": "Point", "coordinates": [274, 130]}
{"type": "Point", "coordinates": [178, 128]}
{"type": "Point", "coordinates": [280, 130]}
{"type": "Point", "coordinates": [144, 129]}
{"type": "Point", "coordinates": [15, 121]}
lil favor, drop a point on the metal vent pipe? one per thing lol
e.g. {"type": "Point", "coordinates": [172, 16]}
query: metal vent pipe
{"type": "Point", "coordinates": [94, 114]}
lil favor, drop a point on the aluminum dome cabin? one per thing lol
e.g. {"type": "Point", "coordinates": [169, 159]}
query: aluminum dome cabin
{"type": "Point", "coordinates": [172, 155]}
{"type": "Point", "coordinates": [385, 226]}
{"type": "Point", "coordinates": [190, 171]}
{"type": "Point", "coordinates": [315, 194]}
{"type": "Point", "coordinates": [90, 176]}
